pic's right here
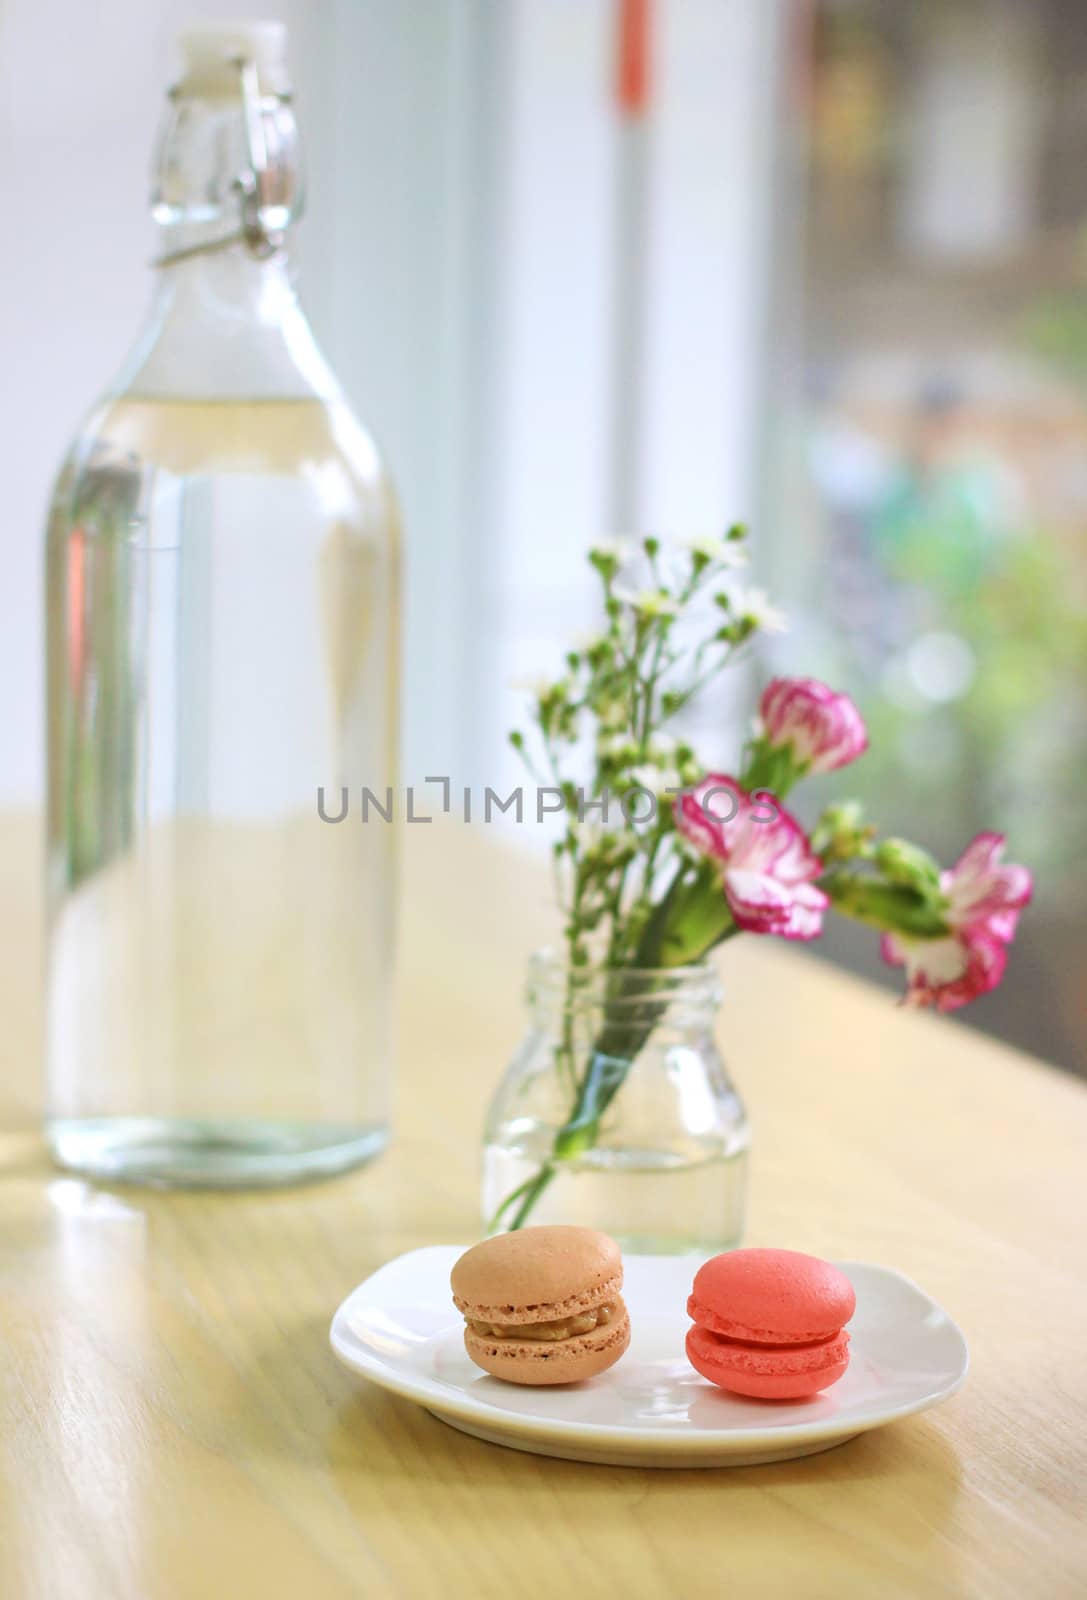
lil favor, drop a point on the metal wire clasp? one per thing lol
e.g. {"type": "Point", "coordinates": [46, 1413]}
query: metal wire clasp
{"type": "Point", "coordinates": [262, 238]}
{"type": "Point", "coordinates": [266, 187]}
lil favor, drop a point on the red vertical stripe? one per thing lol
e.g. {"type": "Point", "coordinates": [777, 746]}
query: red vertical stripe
{"type": "Point", "coordinates": [632, 56]}
{"type": "Point", "coordinates": [77, 601]}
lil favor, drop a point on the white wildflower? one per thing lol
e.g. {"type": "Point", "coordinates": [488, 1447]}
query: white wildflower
{"type": "Point", "coordinates": [649, 603]}
{"type": "Point", "coordinates": [754, 605]}
{"type": "Point", "coordinates": [588, 834]}
{"type": "Point", "coordinates": [595, 838]}
{"type": "Point", "coordinates": [619, 551]}
{"type": "Point", "coordinates": [587, 640]}
{"type": "Point", "coordinates": [658, 780]}
{"type": "Point", "coordinates": [614, 715]}
{"type": "Point", "coordinates": [535, 685]}
{"type": "Point", "coordinates": [722, 552]}
{"type": "Point", "coordinates": [617, 745]}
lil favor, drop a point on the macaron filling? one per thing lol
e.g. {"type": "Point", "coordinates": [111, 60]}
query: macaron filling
{"type": "Point", "coordinates": [782, 1359]}
{"type": "Point", "coordinates": [729, 1328]}
{"type": "Point", "coordinates": [560, 1328]}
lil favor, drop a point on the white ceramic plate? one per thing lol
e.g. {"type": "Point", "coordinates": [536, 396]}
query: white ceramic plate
{"type": "Point", "coordinates": [401, 1330]}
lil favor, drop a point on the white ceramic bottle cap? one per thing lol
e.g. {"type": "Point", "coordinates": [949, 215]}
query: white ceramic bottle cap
{"type": "Point", "coordinates": [210, 56]}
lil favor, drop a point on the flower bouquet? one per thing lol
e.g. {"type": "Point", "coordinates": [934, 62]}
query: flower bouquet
{"type": "Point", "coordinates": [660, 860]}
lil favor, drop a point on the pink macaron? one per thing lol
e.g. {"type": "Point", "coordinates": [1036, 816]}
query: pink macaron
{"type": "Point", "coordinates": [770, 1323]}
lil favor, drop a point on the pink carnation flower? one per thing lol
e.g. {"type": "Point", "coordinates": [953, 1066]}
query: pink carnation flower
{"type": "Point", "coordinates": [822, 729]}
{"type": "Point", "coordinates": [767, 859]}
{"type": "Point", "coordinates": [984, 899]}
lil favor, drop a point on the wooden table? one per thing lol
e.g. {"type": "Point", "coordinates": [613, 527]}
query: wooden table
{"type": "Point", "coordinates": [173, 1424]}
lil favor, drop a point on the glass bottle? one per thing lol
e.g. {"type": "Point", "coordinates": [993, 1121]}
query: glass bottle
{"type": "Point", "coordinates": [222, 577]}
{"type": "Point", "coordinates": [617, 1113]}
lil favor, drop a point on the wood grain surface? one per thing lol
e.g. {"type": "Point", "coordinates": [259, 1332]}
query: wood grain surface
{"type": "Point", "coordinates": [172, 1423]}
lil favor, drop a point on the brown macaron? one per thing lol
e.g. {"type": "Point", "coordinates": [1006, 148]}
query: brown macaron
{"type": "Point", "coordinates": [542, 1305]}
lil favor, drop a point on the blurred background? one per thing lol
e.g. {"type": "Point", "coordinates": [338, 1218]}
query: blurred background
{"type": "Point", "coordinates": [602, 267]}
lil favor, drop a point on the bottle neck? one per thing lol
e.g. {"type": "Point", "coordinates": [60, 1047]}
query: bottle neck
{"type": "Point", "coordinates": [226, 326]}
{"type": "Point", "coordinates": [225, 322]}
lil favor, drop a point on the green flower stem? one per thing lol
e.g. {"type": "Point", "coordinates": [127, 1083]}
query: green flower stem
{"type": "Point", "coordinates": [891, 907]}
{"type": "Point", "coordinates": [772, 768]}
{"type": "Point", "coordinates": [697, 917]}
{"type": "Point", "coordinates": [532, 1191]}
{"type": "Point", "coordinates": [690, 920]}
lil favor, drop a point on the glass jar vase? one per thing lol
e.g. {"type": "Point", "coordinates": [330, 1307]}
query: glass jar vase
{"type": "Point", "coordinates": [617, 1112]}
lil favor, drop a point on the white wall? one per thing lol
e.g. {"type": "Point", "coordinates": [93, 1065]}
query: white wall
{"type": "Point", "coordinates": [390, 96]}
{"type": "Point", "coordinates": [710, 152]}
